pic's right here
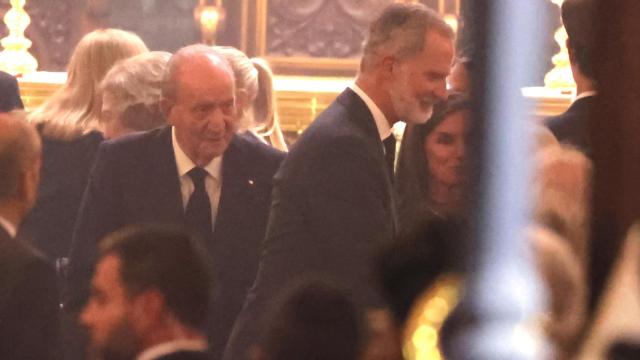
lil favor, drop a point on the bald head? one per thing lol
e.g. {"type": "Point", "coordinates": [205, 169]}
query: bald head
{"type": "Point", "coordinates": [185, 60]}
{"type": "Point", "coordinates": [19, 153]}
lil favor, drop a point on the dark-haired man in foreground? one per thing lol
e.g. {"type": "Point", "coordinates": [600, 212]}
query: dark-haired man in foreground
{"type": "Point", "coordinates": [149, 297]}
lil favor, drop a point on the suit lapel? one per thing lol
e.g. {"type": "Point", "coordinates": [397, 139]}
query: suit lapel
{"type": "Point", "coordinates": [362, 117]}
{"type": "Point", "coordinates": [166, 194]}
{"type": "Point", "coordinates": [234, 190]}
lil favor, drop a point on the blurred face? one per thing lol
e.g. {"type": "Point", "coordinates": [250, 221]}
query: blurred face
{"type": "Point", "coordinates": [420, 81]}
{"type": "Point", "coordinates": [445, 150]}
{"type": "Point", "coordinates": [203, 112]}
{"type": "Point", "coordinates": [109, 314]}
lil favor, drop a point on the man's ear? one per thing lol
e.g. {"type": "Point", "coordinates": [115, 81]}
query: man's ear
{"type": "Point", "coordinates": [388, 63]}
{"type": "Point", "coordinates": [148, 309]}
{"type": "Point", "coordinates": [166, 106]}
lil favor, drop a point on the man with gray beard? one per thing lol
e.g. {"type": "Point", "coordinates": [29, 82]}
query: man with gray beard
{"type": "Point", "coordinates": [332, 204]}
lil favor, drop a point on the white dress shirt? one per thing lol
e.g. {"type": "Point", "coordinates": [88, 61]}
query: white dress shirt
{"type": "Point", "coordinates": [384, 129]}
{"type": "Point", "coordinates": [170, 347]}
{"type": "Point", "coordinates": [584, 94]}
{"type": "Point", "coordinates": [212, 183]}
{"type": "Point", "coordinates": [8, 227]}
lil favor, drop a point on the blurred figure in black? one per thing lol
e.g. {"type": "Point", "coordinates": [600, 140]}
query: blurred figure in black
{"type": "Point", "coordinates": [9, 93]}
{"type": "Point", "coordinates": [315, 321]}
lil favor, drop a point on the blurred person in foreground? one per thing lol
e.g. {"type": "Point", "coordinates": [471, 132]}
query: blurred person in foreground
{"type": "Point", "coordinates": [149, 296]}
{"type": "Point", "coordinates": [313, 320]}
{"type": "Point", "coordinates": [333, 199]}
{"type": "Point", "coordinates": [29, 324]}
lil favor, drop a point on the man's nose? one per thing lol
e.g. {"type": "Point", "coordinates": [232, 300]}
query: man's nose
{"type": "Point", "coordinates": [216, 120]}
{"type": "Point", "coordinates": [441, 90]}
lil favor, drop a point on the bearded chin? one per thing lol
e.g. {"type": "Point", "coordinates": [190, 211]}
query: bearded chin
{"type": "Point", "coordinates": [419, 116]}
{"type": "Point", "coordinates": [122, 344]}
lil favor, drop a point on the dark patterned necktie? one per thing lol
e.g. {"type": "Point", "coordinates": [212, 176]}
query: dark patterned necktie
{"type": "Point", "coordinates": [198, 212]}
{"type": "Point", "coordinates": [390, 153]}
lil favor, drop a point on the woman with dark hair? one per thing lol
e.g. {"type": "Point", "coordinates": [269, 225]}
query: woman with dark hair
{"type": "Point", "coordinates": [431, 169]}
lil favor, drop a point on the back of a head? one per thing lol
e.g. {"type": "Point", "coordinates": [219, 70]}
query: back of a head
{"type": "Point", "coordinates": [77, 102]}
{"type": "Point", "coordinates": [19, 149]}
{"type": "Point", "coordinates": [315, 321]}
{"type": "Point", "coordinates": [136, 82]}
{"type": "Point", "coordinates": [167, 260]}
{"type": "Point", "coordinates": [577, 17]}
{"type": "Point", "coordinates": [409, 266]}
{"type": "Point", "coordinates": [400, 31]}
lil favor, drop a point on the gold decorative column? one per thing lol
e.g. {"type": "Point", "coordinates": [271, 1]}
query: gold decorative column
{"type": "Point", "coordinates": [560, 77]}
{"type": "Point", "coordinates": [15, 58]}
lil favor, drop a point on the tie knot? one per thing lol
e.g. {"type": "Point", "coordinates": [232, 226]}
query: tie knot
{"type": "Point", "coordinates": [197, 175]}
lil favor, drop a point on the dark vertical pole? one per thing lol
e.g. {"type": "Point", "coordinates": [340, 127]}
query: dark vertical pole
{"type": "Point", "coordinates": [615, 134]}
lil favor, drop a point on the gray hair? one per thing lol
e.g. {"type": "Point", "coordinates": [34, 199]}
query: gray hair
{"type": "Point", "coordinates": [20, 149]}
{"type": "Point", "coordinates": [137, 81]}
{"type": "Point", "coordinates": [400, 30]}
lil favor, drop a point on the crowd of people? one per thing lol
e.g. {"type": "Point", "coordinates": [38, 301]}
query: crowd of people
{"type": "Point", "coordinates": [151, 208]}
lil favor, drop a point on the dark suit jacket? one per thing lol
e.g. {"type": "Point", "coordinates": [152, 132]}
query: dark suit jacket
{"type": "Point", "coordinates": [9, 93]}
{"type": "Point", "coordinates": [135, 180]}
{"type": "Point", "coordinates": [572, 126]}
{"type": "Point", "coordinates": [64, 176]}
{"type": "Point", "coordinates": [332, 208]}
{"type": "Point", "coordinates": [28, 303]}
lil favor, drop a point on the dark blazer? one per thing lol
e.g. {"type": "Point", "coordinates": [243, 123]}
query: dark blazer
{"type": "Point", "coordinates": [332, 208]}
{"type": "Point", "coordinates": [9, 93]}
{"type": "Point", "coordinates": [572, 126]}
{"type": "Point", "coordinates": [135, 180]}
{"type": "Point", "coordinates": [29, 323]}
{"type": "Point", "coordinates": [64, 176]}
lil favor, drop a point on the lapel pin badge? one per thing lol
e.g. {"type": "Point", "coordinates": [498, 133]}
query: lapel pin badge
{"type": "Point", "coordinates": [251, 182]}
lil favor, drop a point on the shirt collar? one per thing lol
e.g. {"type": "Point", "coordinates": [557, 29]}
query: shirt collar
{"type": "Point", "coordinates": [384, 129]}
{"type": "Point", "coordinates": [170, 347]}
{"type": "Point", "coordinates": [185, 164]}
{"type": "Point", "coordinates": [8, 227]}
{"type": "Point", "coordinates": [584, 94]}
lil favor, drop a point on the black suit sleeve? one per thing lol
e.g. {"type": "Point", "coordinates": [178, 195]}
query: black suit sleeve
{"type": "Point", "coordinates": [98, 216]}
{"type": "Point", "coordinates": [32, 311]}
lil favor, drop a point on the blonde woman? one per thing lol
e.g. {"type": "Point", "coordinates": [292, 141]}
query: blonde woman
{"type": "Point", "coordinates": [255, 96]}
{"type": "Point", "coordinates": [69, 124]}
